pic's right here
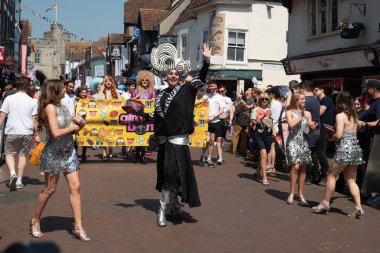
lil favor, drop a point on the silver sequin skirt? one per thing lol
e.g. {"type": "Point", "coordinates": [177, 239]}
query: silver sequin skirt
{"type": "Point", "coordinates": [348, 151]}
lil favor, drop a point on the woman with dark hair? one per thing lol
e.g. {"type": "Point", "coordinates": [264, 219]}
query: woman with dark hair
{"type": "Point", "coordinates": [298, 151]}
{"type": "Point", "coordinates": [59, 156]}
{"type": "Point", "coordinates": [347, 157]}
{"type": "Point", "coordinates": [81, 93]}
{"type": "Point", "coordinates": [109, 91]}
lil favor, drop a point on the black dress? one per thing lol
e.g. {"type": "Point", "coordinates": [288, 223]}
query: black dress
{"type": "Point", "coordinates": [173, 116]}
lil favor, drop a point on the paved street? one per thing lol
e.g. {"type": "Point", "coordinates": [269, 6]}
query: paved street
{"type": "Point", "coordinates": [238, 214]}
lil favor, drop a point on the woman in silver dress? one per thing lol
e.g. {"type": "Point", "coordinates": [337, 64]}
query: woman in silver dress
{"type": "Point", "coordinates": [347, 157]}
{"type": "Point", "coordinates": [298, 151]}
{"type": "Point", "coordinates": [59, 156]}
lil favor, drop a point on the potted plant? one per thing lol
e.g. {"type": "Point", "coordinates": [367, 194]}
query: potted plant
{"type": "Point", "coordinates": [350, 30]}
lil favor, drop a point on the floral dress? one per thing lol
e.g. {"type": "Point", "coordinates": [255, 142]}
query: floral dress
{"type": "Point", "coordinates": [298, 150]}
{"type": "Point", "coordinates": [59, 155]}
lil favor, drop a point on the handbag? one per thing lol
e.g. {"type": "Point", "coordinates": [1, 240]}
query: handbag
{"type": "Point", "coordinates": [35, 156]}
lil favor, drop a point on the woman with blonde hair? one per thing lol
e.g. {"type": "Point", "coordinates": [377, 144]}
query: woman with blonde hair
{"type": "Point", "coordinates": [144, 90]}
{"type": "Point", "coordinates": [108, 90]}
{"type": "Point", "coordinates": [59, 156]}
{"type": "Point", "coordinates": [298, 151]}
{"type": "Point", "coordinates": [263, 133]}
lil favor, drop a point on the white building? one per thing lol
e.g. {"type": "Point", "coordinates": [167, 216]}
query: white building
{"type": "Point", "coordinates": [248, 39]}
{"type": "Point", "coordinates": [320, 52]}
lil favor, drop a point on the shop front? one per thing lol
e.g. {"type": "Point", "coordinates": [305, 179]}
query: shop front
{"type": "Point", "coordinates": [337, 70]}
{"type": "Point", "coordinates": [235, 80]}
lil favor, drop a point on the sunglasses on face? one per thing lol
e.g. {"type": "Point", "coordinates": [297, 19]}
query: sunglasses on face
{"type": "Point", "coordinates": [264, 99]}
{"type": "Point", "coordinates": [221, 91]}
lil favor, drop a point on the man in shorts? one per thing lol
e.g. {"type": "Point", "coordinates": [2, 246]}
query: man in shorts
{"type": "Point", "coordinates": [215, 109]}
{"type": "Point", "coordinates": [20, 110]}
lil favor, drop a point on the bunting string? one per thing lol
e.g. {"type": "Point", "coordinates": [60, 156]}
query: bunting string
{"type": "Point", "coordinates": [63, 28]}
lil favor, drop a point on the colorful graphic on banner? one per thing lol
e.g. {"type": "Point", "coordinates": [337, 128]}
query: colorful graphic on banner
{"type": "Point", "coordinates": [109, 125]}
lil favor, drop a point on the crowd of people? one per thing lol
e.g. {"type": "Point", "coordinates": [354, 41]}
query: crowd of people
{"type": "Point", "coordinates": [306, 119]}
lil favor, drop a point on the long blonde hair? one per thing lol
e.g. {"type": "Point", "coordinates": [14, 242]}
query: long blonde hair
{"type": "Point", "coordinates": [294, 101]}
{"type": "Point", "coordinates": [144, 74]}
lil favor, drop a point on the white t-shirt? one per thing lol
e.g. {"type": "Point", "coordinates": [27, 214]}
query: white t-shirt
{"type": "Point", "coordinates": [227, 102]}
{"type": "Point", "coordinates": [126, 95]}
{"type": "Point", "coordinates": [276, 109]}
{"type": "Point", "coordinates": [20, 109]}
{"type": "Point", "coordinates": [69, 102]}
{"type": "Point", "coordinates": [216, 102]}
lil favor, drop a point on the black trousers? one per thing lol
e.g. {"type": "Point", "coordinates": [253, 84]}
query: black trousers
{"type": "Point", "coordinates": [321, 148]}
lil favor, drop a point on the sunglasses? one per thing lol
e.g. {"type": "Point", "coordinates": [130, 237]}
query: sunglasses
{"type": "Point", "coordinates": [221, 91]}
{"type": "Point", "coordinates": [264, 99]}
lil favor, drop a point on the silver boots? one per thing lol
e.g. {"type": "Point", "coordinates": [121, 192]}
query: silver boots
{"type": "Point", "coordinates": [164, 199]}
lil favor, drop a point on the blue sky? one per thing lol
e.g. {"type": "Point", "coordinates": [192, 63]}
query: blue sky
{"type": "Point", "coordinates": [90, 19]}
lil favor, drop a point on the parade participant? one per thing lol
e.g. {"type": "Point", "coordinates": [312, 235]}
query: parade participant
{"type": "Point", "coordinates": [69, 99]}
{"type": "Point", "coordinates": [347, 157]}
{"type": "Point", "coordinates": [263, 133]}
{"type": "Point", "coordinates": [19, 130]}
{"type": "Point", "coordinates": [173, 123]}
{"type": "Point", "coordinates": [326, 111]}
{"type": "Point", "coordinates": [215, 109]}
{"type": "Point", "coordinates": [276, 110]}
{"type": "Point", "coordinates": [224, 120]}
{"type": "Point", "coordinates": [312, 105]}
{"type": "Point", "coordinates": [59, 156]}
{"type": "Point", "coordinates": [298, 150]}
{"type": "Point", "coordinates": [81, 93]}
{"type": "Point", "coordinates": [144, 90]}
{"type": "Point", "coordinates": [108, 91]}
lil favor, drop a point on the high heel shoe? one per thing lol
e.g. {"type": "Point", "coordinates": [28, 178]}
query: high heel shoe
{"type": "Point", "coordinates": [290, 199]}
{"type": "Point", "coordinates": [81, 236]}
{"type": "Point", "coordinates": [35, 230]}
{"type": "Point", "coordinates": [322, 209]}
{"type": "Point", "coordinates": [302, 199]}
{"type": "Point", "coordinates": [357, 214]}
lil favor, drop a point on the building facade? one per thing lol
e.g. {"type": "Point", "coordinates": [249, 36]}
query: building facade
{"type": "Point", "coordinates": [48, 54]}
{"type": "Point", "coordinates": [334, 43]}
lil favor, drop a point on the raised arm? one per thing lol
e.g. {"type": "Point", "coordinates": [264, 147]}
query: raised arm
{"type": "Point", "coordinates": [200, 80]}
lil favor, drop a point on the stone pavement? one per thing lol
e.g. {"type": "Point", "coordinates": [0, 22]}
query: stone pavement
{"type": "Point", "coordinates": [238, 214]}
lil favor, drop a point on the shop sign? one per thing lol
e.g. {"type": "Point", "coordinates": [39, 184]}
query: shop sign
{"type": "Point", "coordinates": [98, 69]}
{"type": "Point", "coordinates": [217, 32]}
{"type": "Point", "coordinates": [353, 59]}
{"type": "Point", "coordinates": [2, 55]}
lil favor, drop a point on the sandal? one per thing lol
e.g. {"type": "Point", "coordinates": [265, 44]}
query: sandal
{"type": "Point", "coordinates": [265, 183]}
{"type": "Point", "coordinates": [35, 229]}
{"type": "Point", "coordinates": [290, 199]}
{"type": "Point", "coordinates": [302, 199]}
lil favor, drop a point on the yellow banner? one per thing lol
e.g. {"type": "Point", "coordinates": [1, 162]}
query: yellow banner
{"type": "Point", "coordinates": [109, 125]}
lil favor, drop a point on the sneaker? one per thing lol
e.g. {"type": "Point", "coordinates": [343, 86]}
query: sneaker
{"type": "Point", "coordinates": [220, 161]}
{"type": "Point", "coordinates": [19, 185]}
{"type": "Point", "coordinates": [12, 183]}
{"type": "Point", "coordinates": [209, 163]}
{"type": "Point", "coordinates": [202, 160]}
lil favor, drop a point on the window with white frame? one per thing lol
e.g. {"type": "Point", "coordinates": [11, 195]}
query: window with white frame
{"type": "Point", "coordinates": [236, 46]}
{"type": "Point", "coordinates": [323, 16]}
{"type": "Point", "coordinates": [205, 36]}
{"type": "Point", "coordinates": [37, 56]}
{"type": "Point", "coordinates": [183, 46]}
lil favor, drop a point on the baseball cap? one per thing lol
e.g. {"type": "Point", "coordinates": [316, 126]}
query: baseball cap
{"type": "Point", "coordinates": [373, 83]}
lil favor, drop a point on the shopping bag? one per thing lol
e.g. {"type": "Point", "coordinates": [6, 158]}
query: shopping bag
{"type": "Point", "coordinates": [35, 156]}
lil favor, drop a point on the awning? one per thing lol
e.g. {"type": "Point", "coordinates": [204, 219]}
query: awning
{"type": "Point", "coordinates": [235, 74]}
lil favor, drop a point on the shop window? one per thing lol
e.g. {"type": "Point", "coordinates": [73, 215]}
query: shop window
{"type": "Point", "coordinates": [183, 46]}
{"type": "Point", "coordinates": [37, 56]}
{"type": "Point", "coordinates": [236, 46]}
{"type": "Point", "coordinates": [323, 16]}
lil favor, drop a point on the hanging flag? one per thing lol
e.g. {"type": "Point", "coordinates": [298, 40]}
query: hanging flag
{"type": "Point", "coordinates": [254, 80]}
{"type": "Point", "coordinates": [54, 6]}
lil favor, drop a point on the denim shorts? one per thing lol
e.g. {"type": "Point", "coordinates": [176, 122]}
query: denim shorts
{"type": "Point", "coordinates": [18, 144]}
{"type": "Point", "coordinates": [263, 141]}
